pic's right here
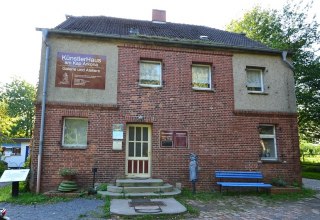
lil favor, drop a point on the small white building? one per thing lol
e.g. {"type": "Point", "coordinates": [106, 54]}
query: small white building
{"type": "Point", "coordinates": [16, 153]}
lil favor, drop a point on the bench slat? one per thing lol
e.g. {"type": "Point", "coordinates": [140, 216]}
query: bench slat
{"type": "Point", "coordinates": [238, 174]}
{"type": "Point", "coordinates": [237, 184]}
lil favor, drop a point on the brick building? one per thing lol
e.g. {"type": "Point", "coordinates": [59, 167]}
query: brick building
{"type": "Point", "coordinates": [134, 98]}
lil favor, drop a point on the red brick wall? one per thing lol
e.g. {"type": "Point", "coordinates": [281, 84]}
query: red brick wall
{"type": "Point", "coordinates": [222, 138]}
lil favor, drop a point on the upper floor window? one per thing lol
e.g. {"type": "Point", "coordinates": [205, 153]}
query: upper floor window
{"type": "Point", "coordinates": [75, 132]}
{"type": "Point", "coordinates": [268, 142]}
{"type": "Point", "coordinates": [150, 73]}
{"type": "Point", "coordinates": [255, 80]}
{"type": "Point", "coordinates": [201, 77]}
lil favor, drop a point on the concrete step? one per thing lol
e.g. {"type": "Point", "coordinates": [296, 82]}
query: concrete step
{"type": "Point", "coordinates": [139, 182]}
{"type": "Point", "coordinates": [140, 189]}
{"type": "Point", "coordinates": [174, 192]}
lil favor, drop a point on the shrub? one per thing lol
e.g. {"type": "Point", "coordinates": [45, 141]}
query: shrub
{"type": "Point", "coordinates": [3, 166]}
{"type": "Point", "coordinates": [102, 187]}
{"type": "Point", "coordinates": [27, 163]}
{"type": "Point", "coordinates": [309, 148]}
{"type": "Point", "coordinates": [279, 182]}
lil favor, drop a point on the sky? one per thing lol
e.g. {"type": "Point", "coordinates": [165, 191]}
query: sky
{"type": "Point", "coordinates": [21, 43]}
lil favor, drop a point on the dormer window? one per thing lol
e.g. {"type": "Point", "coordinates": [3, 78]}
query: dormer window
{"type": "Point", "coordinates": [134, 31]}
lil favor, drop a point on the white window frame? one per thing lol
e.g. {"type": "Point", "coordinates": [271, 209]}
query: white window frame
{"type": "Point", "coordinates": [160, 70]}
{"type": "Point", "coordinates": [209, 76]}
{"type": "Point", "coordinates": [269, 136]}
{"type": "Point", "coordinates": [261, 71]}
{"type": "Point", "coordinates": [63, 134]}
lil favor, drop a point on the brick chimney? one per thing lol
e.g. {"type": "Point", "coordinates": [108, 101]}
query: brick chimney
{"type": "Point", "coordinates": [158, 15]}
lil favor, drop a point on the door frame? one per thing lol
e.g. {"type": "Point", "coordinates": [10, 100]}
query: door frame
{"type": "Point", "coordinates": [127, 158]}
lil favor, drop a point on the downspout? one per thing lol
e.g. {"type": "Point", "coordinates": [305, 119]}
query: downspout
{"type": "Point", "coordinates": [43, 106]}
{"type": "Point", "coordinates": [284, 59]}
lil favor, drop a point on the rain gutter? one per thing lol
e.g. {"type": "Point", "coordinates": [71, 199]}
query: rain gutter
{"type": "Point", "coordinates": [284, 59]}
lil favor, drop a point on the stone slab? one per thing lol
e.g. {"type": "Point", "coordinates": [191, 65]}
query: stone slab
{"type": "Point", "coordinates": [174, 192]}
{"type": "Point", "coordinates": [139, 182]}
{"type": "Point", "coordinates": [122, 207]}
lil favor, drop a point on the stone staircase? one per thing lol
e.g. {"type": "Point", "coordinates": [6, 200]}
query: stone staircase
{"type": "Point", "coordinates": [140, 188]}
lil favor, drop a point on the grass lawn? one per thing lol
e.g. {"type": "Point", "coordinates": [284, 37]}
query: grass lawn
{"type": "Point", "coordinates": [310, 170]}
{"type": "Point", "coordinates": [26, 198]}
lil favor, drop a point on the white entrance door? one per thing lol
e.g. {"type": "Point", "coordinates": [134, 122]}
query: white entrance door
{"type": "Point", "coordinates": [138, 150]}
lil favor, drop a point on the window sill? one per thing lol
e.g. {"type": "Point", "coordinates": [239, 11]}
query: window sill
{"type": "Point", "coordinates": [150, 86]}
{"type": "Point", "coordinates": [270, 161]}
{"type": "Point", "coordinates": [258, 93]}
{"type": "Point", "coordinates": [203, 90]}
{"type": "Point", "coordinates": [73, 148]}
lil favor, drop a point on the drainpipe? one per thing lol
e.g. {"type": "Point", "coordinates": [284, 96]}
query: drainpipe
{"type": "Point", "coordinates": [284, 59]}
{"type": "Point", "coordinates": [43, 106]}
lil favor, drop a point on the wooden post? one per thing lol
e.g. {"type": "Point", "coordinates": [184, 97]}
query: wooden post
{"type": "Point", "coordinates": [15, 189]}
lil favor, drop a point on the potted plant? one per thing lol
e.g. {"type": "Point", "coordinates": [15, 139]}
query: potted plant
{"type": "Point", "coordinates": [68, 184]}
{"type": "Point", "coordinates": [68, 173]}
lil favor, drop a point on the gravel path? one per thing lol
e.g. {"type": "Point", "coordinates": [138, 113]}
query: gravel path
{"type": "Point", "coordinates": [311, 184]}
{"type": "Point", "coordinates": [75, 209]}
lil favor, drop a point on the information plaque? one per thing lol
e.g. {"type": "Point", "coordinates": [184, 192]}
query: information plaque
{"type": "Point", "coordinates": [14, 175]}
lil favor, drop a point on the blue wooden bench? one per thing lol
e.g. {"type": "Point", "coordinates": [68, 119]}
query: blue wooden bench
{"type": "Point", "coordinates": [241, 175]}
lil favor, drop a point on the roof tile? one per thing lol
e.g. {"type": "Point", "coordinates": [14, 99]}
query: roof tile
{"type": "Point", "coordinates": [126, 27]}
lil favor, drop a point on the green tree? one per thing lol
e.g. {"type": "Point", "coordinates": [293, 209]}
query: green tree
{"type": "Point", "coordinates": [19, 97]}
{"type": "Point", "coordinates": [291, 29]}
{"type": "Point", "coordinates": [6, 123]}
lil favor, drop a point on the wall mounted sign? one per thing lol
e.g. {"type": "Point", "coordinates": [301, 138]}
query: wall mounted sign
{"type": "Point", "coordinates": [117, 145]}
{"type": "Point", "coordinates": [117, 131]}
{"type": "Point", "coordinates": [85, 71]}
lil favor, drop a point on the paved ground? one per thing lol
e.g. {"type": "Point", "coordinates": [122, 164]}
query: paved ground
{"type": "Point", "coordinates": [245, 207]}
{"type": "Point", "coordinates": [248, 207]}
{"type": "Point", "coordinates": [255, 208]}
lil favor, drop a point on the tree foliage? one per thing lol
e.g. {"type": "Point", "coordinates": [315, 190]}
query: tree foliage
{"type": "Point", "coordinates": [292, 29]}
{"type": "Point", "coordinates": [6, 122]}
{"type": "Point", "coordinates": [17, 100]}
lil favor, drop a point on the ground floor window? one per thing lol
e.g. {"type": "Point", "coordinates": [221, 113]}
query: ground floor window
{"type": "Point", "coordinates": [12, 151]}
{"type": "Point", "coordinates": [268, 142]}
{"type": "Point", "coordinates": [75, 132]}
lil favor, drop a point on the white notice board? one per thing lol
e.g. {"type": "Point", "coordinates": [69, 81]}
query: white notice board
{"type": "Point", "coordinates": [14, 175]}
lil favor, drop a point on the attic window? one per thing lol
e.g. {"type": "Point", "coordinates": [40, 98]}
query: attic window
{"type": "Point", "coordinates": [134, 31]}
{"type": "Point", "coordinates": [204, 37]}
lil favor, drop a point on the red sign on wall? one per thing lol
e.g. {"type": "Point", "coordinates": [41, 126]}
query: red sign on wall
{"type": "Point", "coordinates": [85, 71]}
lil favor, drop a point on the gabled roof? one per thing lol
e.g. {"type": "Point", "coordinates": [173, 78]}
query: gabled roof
{"type": "Point", "coordinates": [157, 31]}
